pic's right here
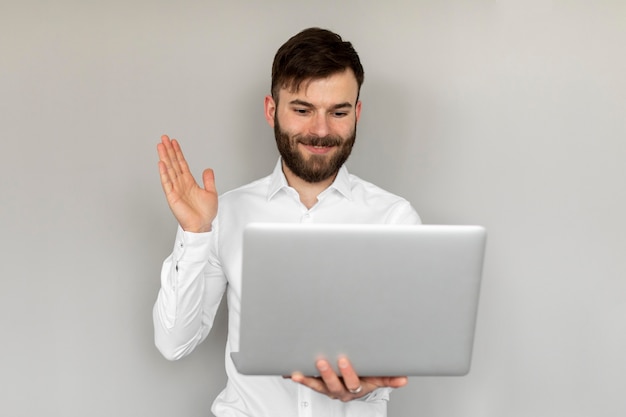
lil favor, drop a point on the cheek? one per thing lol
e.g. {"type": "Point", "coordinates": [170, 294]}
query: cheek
{"type": "Point", "coordinates": [344, 128]}
{"type": "Point", "coordinates": [289, 122]}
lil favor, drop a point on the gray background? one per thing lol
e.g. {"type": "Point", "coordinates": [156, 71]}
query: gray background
{"type": "Point", "coordinates": [509, 114]}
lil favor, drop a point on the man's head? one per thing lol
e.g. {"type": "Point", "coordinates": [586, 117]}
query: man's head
{"type": "Point", "coordinates": [314, 106]}
{"type": "Point", "coordinates": [313, 54]}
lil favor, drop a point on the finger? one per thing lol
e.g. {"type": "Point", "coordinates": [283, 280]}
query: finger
{"type": "Point", "coordinates": [165, 148]}
{"type": "Point", "coordinates": [179, 158]}
{"type": "Point", "coordinates": [166, 153]}
{"type": "Point", "coordinates": [170, 153]}
{"type": "Point", "coordinates": [162, 149]}
{"type": "Point", "coordinates": [167, 173]}
{"type": "Point", "coordinates": [389, 381]}
{"type": "Point", "coordinates": [397, 381]}
{"type": "Point", "coordinates": [351, 380]}
{"type": "Point", "coordinates": [180, 177]}
{"type": "Point", "coordinates": [208, 179]}
{"type": "Point", "coordinates": [166, 182]}
{"type": "Point", "coordinates": [315, 384]}
{"type": "Point", "coordinates": [334, 385]}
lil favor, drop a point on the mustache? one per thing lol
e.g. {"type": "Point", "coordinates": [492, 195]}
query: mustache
{"type": "Point", "coordinates": [319, 140]}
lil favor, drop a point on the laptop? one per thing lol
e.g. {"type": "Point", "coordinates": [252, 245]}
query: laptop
{"type": "Point", "coordinates": [397, 300]}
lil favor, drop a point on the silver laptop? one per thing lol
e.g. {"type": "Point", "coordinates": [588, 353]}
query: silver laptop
{"type": "Point", "coordinates": [396, 300]}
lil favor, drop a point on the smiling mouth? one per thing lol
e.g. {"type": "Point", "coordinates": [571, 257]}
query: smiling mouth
{"type": "Point", "coordinates": [318, 149]}
{"type": "Point", "coordinates": [316, 142]}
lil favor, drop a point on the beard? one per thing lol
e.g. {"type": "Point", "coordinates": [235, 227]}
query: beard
{"type": "Point", "coordinates": [315, 168]}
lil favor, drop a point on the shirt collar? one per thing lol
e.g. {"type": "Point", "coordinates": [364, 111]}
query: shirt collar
{"type": "Point", "coordinates": [278, 181]}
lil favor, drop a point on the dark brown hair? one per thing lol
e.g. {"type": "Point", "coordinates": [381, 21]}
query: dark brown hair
{"type": "Point", "coordinates": [312, 54]}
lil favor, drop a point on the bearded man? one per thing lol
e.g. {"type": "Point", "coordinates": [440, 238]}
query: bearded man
{"type": "Point", "coordinates": [314, 109]}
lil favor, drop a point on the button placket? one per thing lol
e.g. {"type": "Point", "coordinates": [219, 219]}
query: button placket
{"type": "Point", "coordinates": [304, 400]}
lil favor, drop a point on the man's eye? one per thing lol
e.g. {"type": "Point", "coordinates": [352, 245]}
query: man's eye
{"type": "Point", "coordinates": [340, 114]}
{"type": "Point", "coordinates": [301, 111]}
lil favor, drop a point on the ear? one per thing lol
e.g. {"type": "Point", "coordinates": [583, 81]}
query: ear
{"type": "Point", "coordinates": [357, 110]}
{"type": "Point", "coordinates": [270, 110]}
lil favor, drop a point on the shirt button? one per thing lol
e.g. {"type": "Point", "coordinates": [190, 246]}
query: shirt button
{"type": "Point", "coordinates": [305, 404]}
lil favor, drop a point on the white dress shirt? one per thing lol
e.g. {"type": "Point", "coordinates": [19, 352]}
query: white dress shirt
{"type": "Point", "coordinates": [203, 266]}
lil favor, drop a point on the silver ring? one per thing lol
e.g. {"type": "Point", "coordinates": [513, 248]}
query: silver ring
{"type": "Point", "coordinates": [357, 390]}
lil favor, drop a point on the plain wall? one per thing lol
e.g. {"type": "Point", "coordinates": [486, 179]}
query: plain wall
{"type": "Point", "coordinates": [510, 114]}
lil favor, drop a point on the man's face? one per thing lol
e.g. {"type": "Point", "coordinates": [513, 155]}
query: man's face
{"type": "Point", "coordinates": [315, 127]}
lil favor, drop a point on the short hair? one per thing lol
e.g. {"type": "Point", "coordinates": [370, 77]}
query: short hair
{"type": "Point", "coordinates": [313, 54]}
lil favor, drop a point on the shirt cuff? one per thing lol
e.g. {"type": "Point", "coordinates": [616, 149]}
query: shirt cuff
{"type": "Point", "coordinates": [377, 395]}
{"type": "Point", "coordinates": [191, 247]}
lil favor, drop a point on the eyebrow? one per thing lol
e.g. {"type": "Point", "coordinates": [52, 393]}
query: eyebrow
{"type": "Point", "coordinates": [303, 103]}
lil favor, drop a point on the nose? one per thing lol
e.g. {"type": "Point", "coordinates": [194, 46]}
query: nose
{"type": "Point", "coordinates": [319, 125]}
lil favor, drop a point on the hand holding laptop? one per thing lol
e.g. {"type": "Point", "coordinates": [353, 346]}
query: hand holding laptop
{"type": "Point", "coordinates": [347, 386]}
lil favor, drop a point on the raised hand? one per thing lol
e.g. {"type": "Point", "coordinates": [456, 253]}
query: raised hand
{"type": "Point", "coordinates": [193, 206]}
{"type": "Point", "coordinates": [347, 386]}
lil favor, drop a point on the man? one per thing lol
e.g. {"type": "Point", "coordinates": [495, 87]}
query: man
{"type": "Point", "coordinates": [314, 108]}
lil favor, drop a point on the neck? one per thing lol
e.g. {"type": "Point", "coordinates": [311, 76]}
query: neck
{"type": "Point", "coordinates": [308, 191]}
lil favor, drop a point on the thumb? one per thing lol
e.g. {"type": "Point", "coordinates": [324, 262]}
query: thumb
{"type": "Point", "coordinates": [208, 178]}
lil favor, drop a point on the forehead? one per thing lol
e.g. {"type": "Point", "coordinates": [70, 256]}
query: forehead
{"type": "Point", "coordinates": [337, 88]}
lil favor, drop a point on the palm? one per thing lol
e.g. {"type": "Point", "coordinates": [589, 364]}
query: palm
{"type": "Point", "coordinates": [193, 206]}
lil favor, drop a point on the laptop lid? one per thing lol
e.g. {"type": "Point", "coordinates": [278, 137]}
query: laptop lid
{"type": "Point", "coordinates": [395, 299]}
